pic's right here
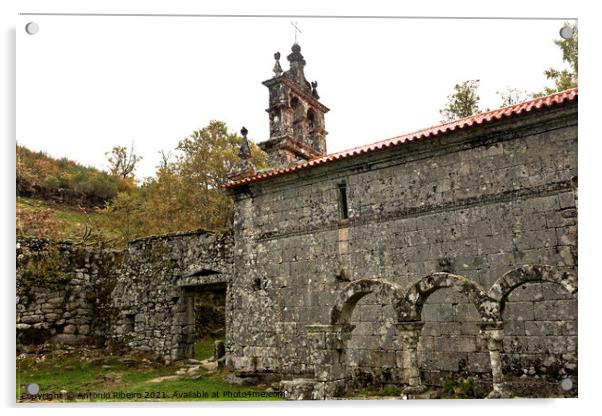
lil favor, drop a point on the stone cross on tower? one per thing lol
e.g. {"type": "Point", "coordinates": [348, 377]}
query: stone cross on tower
{"type": "Point", "coordinates": [294, 24]}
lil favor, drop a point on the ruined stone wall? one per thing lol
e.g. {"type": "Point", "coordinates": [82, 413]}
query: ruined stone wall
{"type": "Point", "coordinates": [142, 298]}
{"type": "Point", "coordinates": [63, 292]}
{"type": "Point", "coordinates": [154, 293]}
{"type": "Point", "coordinates": [478, 203]}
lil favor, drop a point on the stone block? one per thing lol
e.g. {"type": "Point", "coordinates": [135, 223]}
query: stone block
{"type": "Point", "coordinates": [69, 329]}
{"type": "Point", "coordinates": [552, 291]}
{"type": "Point", "coordinates": [479, 362]}
{"type": "Point", "coordinates": [437, 312]}
{"type": "Point", "coordinates": [515, 327]}
{"type": "Point", "coordinates": [551, 310]}
{"type": "Point", "coordinates": [455, 343]}
{"type": "Point", "coordinates": [528, 292]}
{"type": "Point", "coordinates": [447, 361]}
{"type": "Point", "coordinates": [566, 200]}
{"type": "Point", "coordinates": [435, 329]}
{"type": "Point", "coordinates": [302, 389]}
{"type": "Point", "coordinates": [367, 342]}
{"type": "Point", "coordinates": [466, 312]}
{"type": "Point", "coordinates": [67, 339]}
{"type": "Point", "coordinates": [31, 319]}
{"type": "Point", "coordinates": [329, 372]}
{"type": "Point", "coordinates": [520, 311]}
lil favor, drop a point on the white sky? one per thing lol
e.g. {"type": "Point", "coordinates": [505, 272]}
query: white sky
{"type": "Point", "coordinates": [85, 84]}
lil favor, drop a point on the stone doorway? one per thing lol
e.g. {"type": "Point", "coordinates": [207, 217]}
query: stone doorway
{"type": "Point", "coordinates": [206, 311]}
{"type": "Point", "coordinates": [203, 313]}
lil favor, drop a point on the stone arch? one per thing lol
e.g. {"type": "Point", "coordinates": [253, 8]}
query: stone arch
{"type": "Point", "coordinates": [298, 109]}
{"type": "Point", "coordinates": [503, 286]}
{"type": "Point", "coordinates": [345, 302]}
{"type": "Point", "coordinates": [414, 297]}
{"type": "Point", "coordinates": [501, 291]}
{"type": "Point", "coordinates": [298, 113]}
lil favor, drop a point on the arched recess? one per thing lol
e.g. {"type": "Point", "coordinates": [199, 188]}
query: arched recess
{"type": "Point", "coordinates": [502, 287]}
{"type": "Point", "coordinates": [369, 354]}
{"type": "Point", "coordinates": [449, 339]}
{"type": "Point", "coordinates": [539, 311]}
{"type": "Point", "coordinates": [345, 302]}
{"type": "Point", "coordinates": [414, 297]}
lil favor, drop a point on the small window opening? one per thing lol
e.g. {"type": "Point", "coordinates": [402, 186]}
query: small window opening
{"type": "Point", "coordinates": [343, 201]}
{"type": "Point", "coordinates": [311, 120]}
{"type": "Point", "coordinates": [130, 320]}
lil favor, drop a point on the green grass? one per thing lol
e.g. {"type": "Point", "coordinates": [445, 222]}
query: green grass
{"type": "Point", "coordinates": [65, 222]}
{"type": "Point", "coordinates": [203, 348]}
{"type": "Point", "coordinates": [76, 372]}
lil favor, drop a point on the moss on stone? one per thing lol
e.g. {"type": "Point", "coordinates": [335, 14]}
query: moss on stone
{"type": "Point", "coordinates": [45, 267]}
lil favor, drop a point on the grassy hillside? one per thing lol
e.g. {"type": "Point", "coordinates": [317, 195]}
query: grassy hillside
{"type": "Point", "coordinates": [40, 218]}
{"type": "Point", "coordinates": [65, 181]}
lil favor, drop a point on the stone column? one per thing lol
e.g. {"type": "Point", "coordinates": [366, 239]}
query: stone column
{"type": "Point", "coordinates": [493, 334]}
{"type": "Point", "coordinates": [409, 334]}
{"type": "Point", "coordinates": [329, 355]}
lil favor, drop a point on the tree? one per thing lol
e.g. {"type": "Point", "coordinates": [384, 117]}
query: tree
{"type": "Point", "coordinates": [186, 193]}
{"type": "Point", "coordinates": [206, 158]}
{"type": "Point", "coordinates": [568, 77]}
{"type": "Point", "coordinates": [125, 216]}
{"type": "Point", "coordinates": [122, 162]}
{"type": "Point", "coordinates": [463, 102]}
{"type": "Point", "coordinates": [512, 96]}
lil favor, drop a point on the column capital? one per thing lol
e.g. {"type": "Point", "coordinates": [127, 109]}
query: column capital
{"type": "Point", "coordinates": [493, 334]}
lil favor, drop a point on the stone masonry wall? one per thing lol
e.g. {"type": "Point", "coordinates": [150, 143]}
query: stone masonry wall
{"type": "Point", "coordinates": [155, 292]}
{"type": "Point", "coordinates": [63, 292]}
{"type": "Point", "coordinates": [477, 203]}
{"type": "Point", "coordinates": [143, 298]}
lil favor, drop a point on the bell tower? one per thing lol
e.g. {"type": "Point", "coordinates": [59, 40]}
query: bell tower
{"type": "Point", "coordinates": [297, 132]}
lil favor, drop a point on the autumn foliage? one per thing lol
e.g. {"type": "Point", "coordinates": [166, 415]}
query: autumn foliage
{"type": "Point", "coordinates": [186, 192]}
{"type": "Point", "coordinates": [65, 181]}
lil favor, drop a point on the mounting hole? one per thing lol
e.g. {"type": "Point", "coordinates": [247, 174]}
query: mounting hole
{"type": "Point", "coordinates": [32, 28]}
{"type": "Point", "coordinates": [566, 384]}
{"type": "Point", "coordinates": [566, 32]}
{"type": "Point", "coordinates": [32, 388]}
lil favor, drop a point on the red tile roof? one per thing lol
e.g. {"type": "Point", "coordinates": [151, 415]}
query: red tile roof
{"type": "Point", "coordinates": [554, 100]}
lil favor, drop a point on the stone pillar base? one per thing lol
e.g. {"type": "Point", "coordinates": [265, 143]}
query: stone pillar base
{"type": "Point", "coordinates": [303, 389]}
{"type": "Point", "coordinates": [500, 391]}
{"type": "Point", "coordinates": [335, 388]}
{"type": "Point", "coordinates": [414, 389]}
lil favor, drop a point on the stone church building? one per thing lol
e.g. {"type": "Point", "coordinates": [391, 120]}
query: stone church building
{"type": "Point", "coordinates": [447, 252]}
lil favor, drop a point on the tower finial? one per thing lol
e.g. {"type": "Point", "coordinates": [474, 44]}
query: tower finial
{"type": "Point", "coordinates": [314, 90]}
{"type": "Point", "coordinates": [277, 68]}
{"type": "Point", "coordinates": [245, 167]}
{"type": "Point", "coordinates": [245, 150]}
